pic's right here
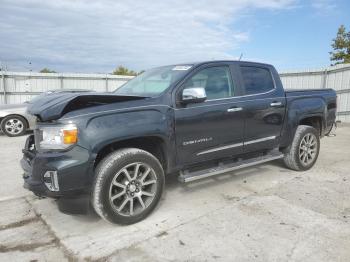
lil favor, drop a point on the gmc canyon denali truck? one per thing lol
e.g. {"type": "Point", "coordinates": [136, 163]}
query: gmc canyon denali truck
{"type": "Point", "coordinates": [115, 150]}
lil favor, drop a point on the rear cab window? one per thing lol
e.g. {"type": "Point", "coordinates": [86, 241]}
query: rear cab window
{"type": "Point", "coordinates": [256, 80]}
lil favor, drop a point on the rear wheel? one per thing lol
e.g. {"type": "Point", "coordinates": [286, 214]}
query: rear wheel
{"type": "Point", "coordinates": [304, 150]}
{"type": "Point", "coordinates": [14, 126]}
{"type": "Point", "coordinates": [128, 185]}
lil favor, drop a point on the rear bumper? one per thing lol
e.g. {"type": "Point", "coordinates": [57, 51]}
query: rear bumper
{"type": "Point", "coordinates": [73, 169]}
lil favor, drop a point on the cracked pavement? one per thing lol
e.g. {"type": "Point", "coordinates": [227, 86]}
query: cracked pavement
{"type": "Point", "coordinates": [261, 213]}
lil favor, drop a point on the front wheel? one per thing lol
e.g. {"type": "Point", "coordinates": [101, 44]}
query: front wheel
{"type": "Point", "coordinates": [128, 185]}
{"type": "Point", "coordinates": [304, 150]}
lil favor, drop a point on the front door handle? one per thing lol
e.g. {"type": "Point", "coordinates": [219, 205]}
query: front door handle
{"type": "Point", "coordinates": [234, 109]}
{"type": "Point", "coordinates": [276, 104]}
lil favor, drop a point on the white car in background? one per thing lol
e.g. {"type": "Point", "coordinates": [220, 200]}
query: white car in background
{"type": "Point", "coordinates": [14, 119]}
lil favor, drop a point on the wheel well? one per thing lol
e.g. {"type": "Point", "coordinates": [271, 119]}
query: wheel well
{"type": "Point", "coordinates": [314, 121]}
{"type": "Point", "coordinates": [153, 145]}
{"type": "Point", "coordinates": [25, 119]}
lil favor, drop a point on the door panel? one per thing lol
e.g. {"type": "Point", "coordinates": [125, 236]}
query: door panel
{"type": "Point", "coordinates": [263, 123]}
{"type": "Point", "coordinates": [212, 129]}
{"type": "Point", "coordinates": [209, 131]}
{"type": "Point", "coordinates": [264, 107]}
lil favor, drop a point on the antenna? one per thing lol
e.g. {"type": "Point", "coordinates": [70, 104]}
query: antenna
{"type": "Point", "coordinates": [240, 57]}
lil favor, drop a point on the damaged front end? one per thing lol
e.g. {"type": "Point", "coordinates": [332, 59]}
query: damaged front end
{"type": "Point", "coordinates": [55, 165]}
{"type": "Point", "coordinates": [62, 175]}
{"type": "Point", "coordinates": [55, 106]}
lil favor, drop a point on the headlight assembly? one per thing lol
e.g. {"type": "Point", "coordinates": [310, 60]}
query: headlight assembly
{"type": "Point", "coordinates": [57, 136]}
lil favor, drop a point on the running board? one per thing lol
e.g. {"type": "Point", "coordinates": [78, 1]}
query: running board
{"type": "Point", "coordinates": [188, 176]}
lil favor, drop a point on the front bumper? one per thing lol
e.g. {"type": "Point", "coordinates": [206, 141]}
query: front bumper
{"type": "Point", "coordinates": [73, 169]}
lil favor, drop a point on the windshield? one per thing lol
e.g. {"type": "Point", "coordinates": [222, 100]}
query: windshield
{"type": "Point", "coordinates": [153, 81]}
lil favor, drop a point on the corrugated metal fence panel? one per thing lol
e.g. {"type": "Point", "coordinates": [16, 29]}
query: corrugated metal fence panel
{"type": "Point", "coordinates": [345, 118]}
{"type": "Point", "coordinates": [113, 84]}
{"type": "Point", "coordinates": [302, 81]}
{"type": "Point", "coordinates": [98, 85]}
{"type": "Point", "coordinates": [335, 77]}
{"type": "Point", "coordinates": [1, 90]}
{"type": "Point", "coordinates": [18, 99]}
{"type": "Point", "coordinates": [22, 86]}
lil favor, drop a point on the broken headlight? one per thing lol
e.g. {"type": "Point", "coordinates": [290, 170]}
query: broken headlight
{"type": "Point", "coordinates": [57, 137]}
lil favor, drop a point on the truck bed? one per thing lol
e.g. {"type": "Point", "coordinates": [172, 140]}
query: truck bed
{"type": "Point", "coordinates": [322, 102]}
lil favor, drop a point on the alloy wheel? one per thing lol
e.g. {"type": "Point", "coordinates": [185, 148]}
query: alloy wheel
{"type": "Point", "coordinates": [14, 126]}
{"type": "Point", "coordinates": [133, 189]}
{"type": "Point", "coordinates": [308, 149]}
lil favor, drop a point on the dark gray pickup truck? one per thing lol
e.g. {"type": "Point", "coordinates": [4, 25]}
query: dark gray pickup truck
{"type": "Point", "coordinates": [113, 151]}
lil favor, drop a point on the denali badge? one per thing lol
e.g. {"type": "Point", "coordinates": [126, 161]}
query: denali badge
{"type": "Point", "coordinates": [202, 140]}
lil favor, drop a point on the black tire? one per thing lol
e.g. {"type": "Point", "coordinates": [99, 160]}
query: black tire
{"type": "Point", "coordinates": [301, 156]}
{"type": "Point", "coordinates": [107, 174]}
{"type": "Point", "coordinates": [19, 129]}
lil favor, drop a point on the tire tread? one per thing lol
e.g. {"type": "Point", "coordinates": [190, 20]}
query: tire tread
{"type": "Point", "coordinates": [101, 176]}
{"type": "Point", "coordinates": [291, 158]}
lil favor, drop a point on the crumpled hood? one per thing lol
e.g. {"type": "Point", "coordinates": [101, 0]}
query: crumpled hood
{"type": "Point", "coordinates": [56, 105]}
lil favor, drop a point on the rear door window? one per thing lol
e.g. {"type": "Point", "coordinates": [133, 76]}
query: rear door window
{"type": "Point", "coordinates": [256, 80]}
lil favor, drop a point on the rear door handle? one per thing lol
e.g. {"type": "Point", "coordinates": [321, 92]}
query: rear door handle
{"type": "Point", "coordinates": [276, 104]}
{"type": "Point", "coordinates": [234, 109]}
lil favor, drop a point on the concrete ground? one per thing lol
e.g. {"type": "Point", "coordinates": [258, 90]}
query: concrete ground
{"type": "Point", "coordinates": [262, 213]}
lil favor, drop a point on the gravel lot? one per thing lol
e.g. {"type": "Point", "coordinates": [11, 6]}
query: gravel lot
{"type": "Point", "coordinates": [263, 213]}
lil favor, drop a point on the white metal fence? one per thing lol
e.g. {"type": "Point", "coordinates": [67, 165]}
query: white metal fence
{"type": "Point", "coordinates": [18, 87]}
{"type": "Point", "coordinates": [336, 77]}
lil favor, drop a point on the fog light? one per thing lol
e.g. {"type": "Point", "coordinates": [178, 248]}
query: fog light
{"type": "Point", "coordinates": [51, 180]}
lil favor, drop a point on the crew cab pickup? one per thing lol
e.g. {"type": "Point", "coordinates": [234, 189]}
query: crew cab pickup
{"type": "Point", "coordinates": [113, 151]}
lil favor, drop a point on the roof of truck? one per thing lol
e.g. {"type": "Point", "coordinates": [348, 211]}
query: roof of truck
{"type": "Point", "coordinates": [197, 63]}
{"type": "Point", "coordinates": [240, 61]}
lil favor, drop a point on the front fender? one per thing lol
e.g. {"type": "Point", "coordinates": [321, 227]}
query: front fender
{"type": "Point", "coordinates": [103, 130]}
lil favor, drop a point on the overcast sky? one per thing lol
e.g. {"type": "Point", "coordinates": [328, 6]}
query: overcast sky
{"type": "Point", "coordinates": [97, 36]}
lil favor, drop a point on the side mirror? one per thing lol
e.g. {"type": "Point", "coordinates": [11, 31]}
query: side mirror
{"type": "Point", "coordinates": [193, 95]}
